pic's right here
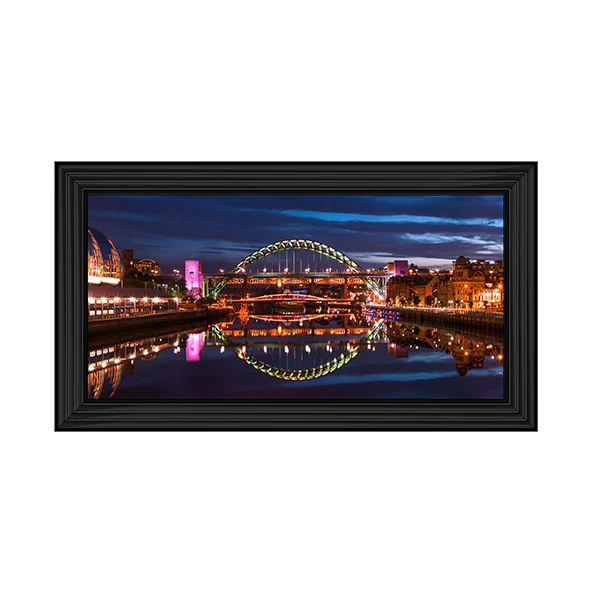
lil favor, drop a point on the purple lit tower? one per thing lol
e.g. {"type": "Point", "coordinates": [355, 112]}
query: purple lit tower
{"type": "Point", "coordinates": [193, 276]}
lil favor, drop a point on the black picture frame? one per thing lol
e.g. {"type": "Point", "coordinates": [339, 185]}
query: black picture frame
{"type": "Point", "coordinates": [517, 181]}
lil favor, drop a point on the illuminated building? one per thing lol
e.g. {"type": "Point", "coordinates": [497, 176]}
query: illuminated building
{"type": "Point", "coordinates": [103, 262]}
{"type": "Point", "coordinates": [471, 283]}
{"type": "Point", "coordinates": [398, 267]}
{"type": "Point", "coordinates": [104, 302]}
{"type": "Point", "coordinates": [148, 266]}
{"type": "Point", "coordinates": [145, 266]}
{"type": "Point", "coordinates": [477, 284]}
{"type": "Point", "coordinates": [193, 275]}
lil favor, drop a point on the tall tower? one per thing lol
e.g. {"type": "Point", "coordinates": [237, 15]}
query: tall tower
{"type": "Point", "coordinates": [193, 275]}
{"type": "Point", "coordinates": [128, 256]}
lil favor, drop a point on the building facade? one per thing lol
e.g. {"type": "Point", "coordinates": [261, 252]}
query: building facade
{"type": "Point", "coordinates": [148, 267]}
{"type": "Point", "coordinates": [402, 288]}
{"type": "Point", "coordinates": [116, 302]}
{"type": "Point", "coordinates": [471, 284]}
{"type": "Point", "coordinates": [398, 267]}
{"type": "Point", "coordinates": [103, 262]}
{"type": "Point", "coordinates": [477, 284]}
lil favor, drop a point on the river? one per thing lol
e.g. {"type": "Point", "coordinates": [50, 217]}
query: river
{"type": "Point", "coordinates": [308, 357]}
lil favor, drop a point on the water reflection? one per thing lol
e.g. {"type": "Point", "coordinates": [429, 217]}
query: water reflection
{"type": "Point", "coordinates": [273, 354]}
{"type": "Point", "coordinates": [107, 364]}
{"type": "Point", "coordinates": [302, 360]}
{"type": "Point", "coordinates": [468, 353]}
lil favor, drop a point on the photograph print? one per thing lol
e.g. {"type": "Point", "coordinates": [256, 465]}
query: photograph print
{"type": "Point", "coordinates": [295, 297]}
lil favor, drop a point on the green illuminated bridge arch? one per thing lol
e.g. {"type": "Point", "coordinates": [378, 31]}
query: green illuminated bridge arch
{"type": "Point", "coordinates": [303, 374]}
{"type": "Point", "coordinates": [302, 245]}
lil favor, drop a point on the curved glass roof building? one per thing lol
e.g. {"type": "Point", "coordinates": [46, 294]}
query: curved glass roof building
{"type": "Point", "coordinates": [103, 261]}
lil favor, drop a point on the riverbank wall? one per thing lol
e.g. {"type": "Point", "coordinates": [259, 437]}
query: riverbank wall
{"type": "Point", "coordinates": [471, 322]}
{"type": "Point", "coordinates": [121, 328]}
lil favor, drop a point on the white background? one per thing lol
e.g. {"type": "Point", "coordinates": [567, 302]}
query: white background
{"type": "Point", "coordinates": [477, 514]}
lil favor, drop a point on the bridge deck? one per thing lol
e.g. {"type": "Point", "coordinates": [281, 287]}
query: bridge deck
{"type": "Point", "coordinates": [299, 275]}
{"type": "Point", "coordinates": [287, 297]}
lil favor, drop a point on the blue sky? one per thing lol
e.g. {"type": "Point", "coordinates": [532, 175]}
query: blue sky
{"type": "Point", "coordinates": [221, 230]}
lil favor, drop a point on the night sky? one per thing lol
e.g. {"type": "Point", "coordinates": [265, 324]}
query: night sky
{"type": "Point", "coordinates": [220, 231]}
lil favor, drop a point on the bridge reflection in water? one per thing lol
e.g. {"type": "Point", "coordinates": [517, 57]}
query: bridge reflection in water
{"type": "Point", "coordinates": [287, 348]}
{"type": "Point", "coordinates": [300, 361]}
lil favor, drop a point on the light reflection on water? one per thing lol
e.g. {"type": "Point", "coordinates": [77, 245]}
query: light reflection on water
{"type": "Point", "coordinates": [292, 357]}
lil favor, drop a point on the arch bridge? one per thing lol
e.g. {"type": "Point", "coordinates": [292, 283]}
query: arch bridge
{"type": "Point", "coordinates": [353, 274]}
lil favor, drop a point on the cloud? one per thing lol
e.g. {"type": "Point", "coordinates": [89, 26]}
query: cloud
{"type": "Point", "coordinates": [221, 230]}
{"type": "Point", "coordinates": [437, 239]}
{"type": "Point", "coordinates": [392, 218]}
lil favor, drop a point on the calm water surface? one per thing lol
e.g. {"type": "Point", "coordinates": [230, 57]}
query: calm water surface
{"type": "Point", "coordinates": [289, 357]}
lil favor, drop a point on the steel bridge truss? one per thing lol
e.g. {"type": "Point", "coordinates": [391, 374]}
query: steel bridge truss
{"type": "Point", "coordinates": [300, 245]}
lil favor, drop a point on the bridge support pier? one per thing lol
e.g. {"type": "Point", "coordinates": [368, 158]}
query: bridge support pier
{"type": "Point", "coordinates": [345, 319]}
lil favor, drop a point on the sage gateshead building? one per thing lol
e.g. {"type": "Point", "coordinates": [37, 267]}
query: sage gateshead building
{"type": "Point", "coordinates": [103, 261]}
{"type": "Point", "coordinates": [106, 297]}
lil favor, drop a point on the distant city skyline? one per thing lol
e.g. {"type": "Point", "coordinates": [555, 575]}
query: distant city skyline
{"type": "Point", "coordinates": [220, 231]}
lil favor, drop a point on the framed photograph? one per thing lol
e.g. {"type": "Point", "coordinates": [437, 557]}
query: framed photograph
{"type": "Point", "coordinates": [296, 296]}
